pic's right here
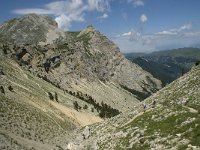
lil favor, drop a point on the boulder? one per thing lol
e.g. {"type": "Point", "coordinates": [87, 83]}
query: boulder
{"type": "Point", "coordinates": [86, 133]}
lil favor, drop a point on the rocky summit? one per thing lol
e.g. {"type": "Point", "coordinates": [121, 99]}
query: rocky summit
{"type": "Point", "coordinates": [30, 29]}
{"type": "Point", "coordinates": [75, 90]}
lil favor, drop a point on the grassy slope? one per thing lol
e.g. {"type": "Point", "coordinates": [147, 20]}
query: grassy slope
{"type": "Point", "coordinates": [27, 115]}
{"type": "Point", "coordinates": [173, 123]}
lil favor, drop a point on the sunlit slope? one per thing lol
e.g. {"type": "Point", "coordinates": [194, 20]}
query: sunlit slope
{"type": "Point", "coordinates": [172, 123]}
{"type": "Point", "coordinates": [29, 115]}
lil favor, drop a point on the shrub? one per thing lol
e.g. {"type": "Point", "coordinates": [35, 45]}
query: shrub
{"type": "Point", "coordinates": [10, 88]}
{"type": "Point", "coordinates": [105, 111]}
{"type": "Point", "coordinates": [76, 106]}
{"type": "Point", "coordinates": [85, 107]}
{"type": "Point", "coordinates": [92, 109]}
{"type": "Point", "coordinates": [197, 63]}
{"type": "Point", "coordinates": [5, 49]}
{"type": "Point", "coordinates": [50, 96]}
{"type": "Point", "coordinates": [2, 90]}
{"type": "Point", "coordinates": [1, 72]}
{"type": "Point", "coordinates": [56, 96]}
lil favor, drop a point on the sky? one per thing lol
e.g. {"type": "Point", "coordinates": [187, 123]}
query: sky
{"type": "Point", "coordinates": [134, 25]}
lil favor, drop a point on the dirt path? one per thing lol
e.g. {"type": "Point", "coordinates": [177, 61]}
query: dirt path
{"type": "Point", "coordinates": [19, 85]}
{"type": "Point", "coordinates": [192, 110]}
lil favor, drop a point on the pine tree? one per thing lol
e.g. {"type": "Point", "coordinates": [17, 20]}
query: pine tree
{"type": "Point", "coordinates": [56, 96]}
{"type": "Point", "coordinates": [10, 88]}
{"type": "Point", "coordinates": [76, 106]}
{"type": "Point", "coordinates": [2, 90]}
{"type": "Point", "coordinates": [50, 96]}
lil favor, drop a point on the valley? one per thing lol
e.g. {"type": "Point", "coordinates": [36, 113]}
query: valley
{"type": "Point", "coordinates": [167, 65]}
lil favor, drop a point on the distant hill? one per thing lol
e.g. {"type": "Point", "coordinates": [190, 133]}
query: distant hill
{"type": "Point", "coordinates": [187, 52]}
{"type": "Point", "coordinates": [131, 56]}
{"type": "Point", "coordinates": [167, 65]}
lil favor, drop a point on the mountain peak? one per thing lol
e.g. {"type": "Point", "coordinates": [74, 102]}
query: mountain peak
{"type": "Point", "coordinates": [38, 19]}
{"type": "Point", "coordinates": [30, 29]}
{"type": "Point", "coordinates": [87, 30]}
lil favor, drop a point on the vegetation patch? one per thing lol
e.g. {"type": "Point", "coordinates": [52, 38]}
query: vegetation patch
{"type": "Point", "coordinates": [139, 95]}
{"type": "Point", "coordinates": [104, 110]}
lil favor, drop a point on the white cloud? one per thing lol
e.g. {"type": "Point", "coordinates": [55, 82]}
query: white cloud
{"type": "Point", "coordinates": [143, 18]}
{"type": "Point", "coordinates": [135, 43]}
{"type": "Point", "coordinates": [64, 21]}
{"type": "Point", "coordinates": [132, 35]}
{"type": "Point", "coordinates": [104, 16]}
{"type": "Point", "coordinates": [99, 5]}
{"type": "Point", "coordinates": [127, 34]}
{"type": "Point", "coordinates": [136, 3]}
{"type": "Point", "coordinates": [32, 10]}
{"type": "Point", "coordinates": [68, 11]}
{"type": "Point", "coordinates": [185, 27]}
{"type": "Point", "coordinates": [166, 33]}
{"type": "Point", "coordinates": [175, 31]}
{"type": "Point", "coordinates": [168, 39]}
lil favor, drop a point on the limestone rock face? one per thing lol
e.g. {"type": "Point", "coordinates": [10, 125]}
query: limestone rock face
{"type": "Point", "coordinates": [115, 67]}
{"type": "Point", "coordinates": [90, 55]}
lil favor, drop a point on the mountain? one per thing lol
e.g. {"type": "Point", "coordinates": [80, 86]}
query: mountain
{"type": "Point", "coordinates": [53, 82]}
{"type": "Point", "coordinates": [170, 121]}
{"type": "Point", "coordinates": [167, 65]}
{"type": "Point", "coordinates": [167, 71]}
{"type": "Point", "coordinates": [131, 56]}
{"type": "Point", "coordinates": [84, 56]}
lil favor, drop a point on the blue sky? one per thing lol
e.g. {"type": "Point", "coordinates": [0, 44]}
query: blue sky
{"type": "Point", "coordinates": [134, 25]}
